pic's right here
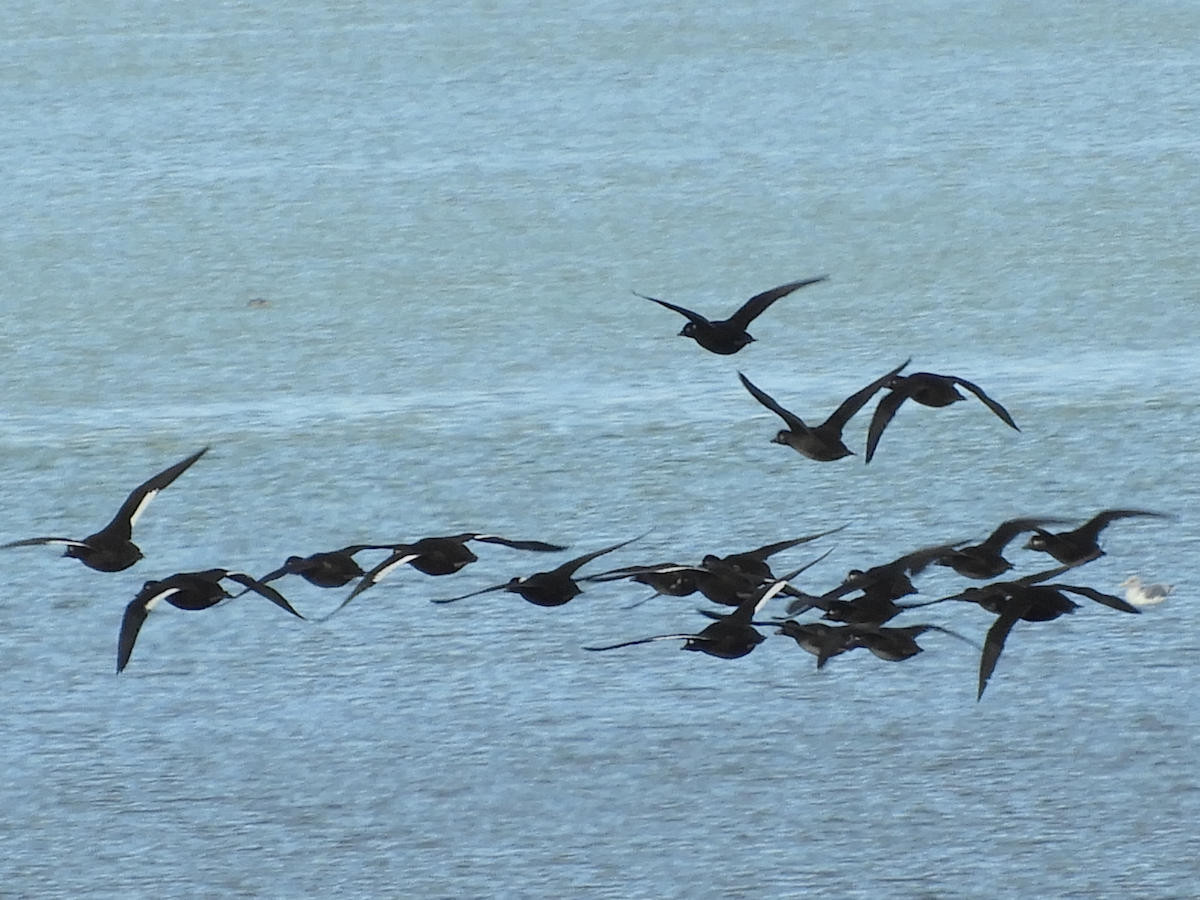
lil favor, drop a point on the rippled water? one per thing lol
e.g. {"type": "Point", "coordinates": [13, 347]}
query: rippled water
{"type": "Point", "coordinates": [447, 211]}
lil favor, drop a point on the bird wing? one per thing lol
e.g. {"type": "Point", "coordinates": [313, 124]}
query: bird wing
{"type": "Point", "coordinates": [569, 568]}
{"type": "Point", "coordinates": [539, 546]}
{"type": "Point", "coordinates": [1002, 536]}
{"type": "Point", "coordinates": [1092, 594]}
{"type": "Point", "coordinates": [762, 553]}
{"type": "Point", "coordinates": [648, 640]}
{"type": "Point", "coordinates": [858, 400]}
{"type": "Point", "coordinates": [488, 590]}
{"type": "Point", "coordinates": [398, 558]}
{"type": "Point", "coordinates": [993, 644]}
{"type": "Point", "coordinates": [988, 401]}
{"type": "Point", "coordinates": [135, 614]}
{"type": "Point", "coordinates": [757, 305]}
{"type": "Point", "coordinates": [694, 316]}
{"type": "Point", "coordinates": [30, 542]}
{"type": "Point", "coordinates": [885, 411]}
{"type": "Point", "coordinates": [793, 421]}
{"type": "Point", "coordinates": [263, 590]}
{"type": "Point", "coordinates": [135, 504]}
{"type": "Point", "coordinates": [1092, 528]}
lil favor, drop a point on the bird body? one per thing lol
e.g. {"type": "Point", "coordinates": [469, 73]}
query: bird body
{"type": "Point", "coordinates": [823, 442]}
{"type": "Point", "coordinates": [728, 336]}
{"type": "Point", "coordinates": [185, 590]}
{"type": "Point", "coordinates": [111, 549]}
{"type": "Point", "coordinates": [1139, 594]}
{"type": "Point", "coordinates": [927, 389]}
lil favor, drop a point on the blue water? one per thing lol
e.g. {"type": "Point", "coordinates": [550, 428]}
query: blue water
{"type": "Point", "coordinates": [447, 211]}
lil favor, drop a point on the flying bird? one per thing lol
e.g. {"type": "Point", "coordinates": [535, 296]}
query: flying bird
{"type": "Point", "coordinates": [927, 389]}
{"type": "Point", "coordinates": [111, 549]}
{"type": "Point", "coordinates": [728, 336]}
{"type": "Point", "coordinates": [1074, 548]}
{"type": "Point", "coordinates": [437, 556]}
{"type": "Point", "coordinates": [823, 442]}
{"type": "Point", "coordinates": [553, 588]}
{"type": "Point", "coordinates": [986, 560]}
{"type": "Point", "coordinates": [185, 590]}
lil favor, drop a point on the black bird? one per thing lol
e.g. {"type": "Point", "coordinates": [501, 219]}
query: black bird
{"type": "Point", "coordinates": [1032, 603]}
{"type": "Point", "coordinates": [985, 560]}
{"type": "Point", "coordinates": [881, 586]}
{"type": "Point", "coordinates": [553, 588]}
{"type": "Point", "coordinates": [728, 336]}
{"type": "Point", "coordinates": [185, 590]}
{"type": "Point", "coordinates": [893, 644]}
{"type": "Point", "coordinates": [729, 637]}
{"type": "Point", "coordinates": [726, 580]}
{"type": "Point", "coordinates": [927, 389]}
{"type": "Point", "coordinates": [437, 556]}
{"type": "Point", "coordinates": [1074, 548]}
{"type": "Point", "coordinates": [111, 549]}
{"type": "Point", "coordinates": [822, 442]}
{"type": "Point", "coordinates": [334, 569]}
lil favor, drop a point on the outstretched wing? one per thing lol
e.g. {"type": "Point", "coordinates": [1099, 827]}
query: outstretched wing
{"type": "Point", "coordinates": [135, 504]}
{"type": "Point", "coordinates": [377, 574]}
{"type": "Point", "coordinates": [993, 644]}
{"type": "Point", "coordinates": [757, 305]}
{"type": "Point", "coordinates": [135, 614]}
{"type": "Point", "coordinates": [569, 568]}
{"type": "Point", "coordinates": [694, 316]}
{"type": "Point", "coordinates": [30, 542]}
{"type": "Point", "coordinates": [793, 421]}
{"type": "Point", "coordinates": [885, 411]}
{"type": "Point", "coordinates": [539, 546]}
{"type": "Point", "coordinates": [263, 590]}
{"type": "Point", "coordinates": [858, 399]}
{"type": "Point", "coordinates": [988, 401]}
{"type": "Point", "coordinates": [1092, 594]}
{"type": "Point", "coordinates": [647, 640]}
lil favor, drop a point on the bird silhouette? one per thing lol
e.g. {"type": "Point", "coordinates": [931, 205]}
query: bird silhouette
{"type": "Point", "coordinates": [728, 336]}
{"type": "Point", "coordinates": [553, 588]}
{"type": "Point", "coordinates": [185, 590]}
{"type": "Point", "coordinates": [1074, 548]}
{"type": "Point", "coordinates": [823, 442]}
{"type": "Point", "coordinates": [730, 636]}
{"type": "Point", "coordinates": [927, 389]}
{"type": "Point", "coordinates": [111, 549]}
{"type": "Point", "coordinates": [986, 560]}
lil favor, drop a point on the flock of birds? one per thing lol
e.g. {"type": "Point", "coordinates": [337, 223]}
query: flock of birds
{"type": "Point", "coordinates": [856, 613]}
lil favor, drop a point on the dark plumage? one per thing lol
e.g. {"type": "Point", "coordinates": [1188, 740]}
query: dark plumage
{"type": "Point", "coordinates": [983, 561]}
{"type": "Point", "coordinates": [111, 549]}
{"type": "Point", "coordinates": [729, 637]}
{"type": "Point", "coordinates": [823, 442]}
{"type": "Point", "coordinates": [1073, 548]}
{"type": "Point", "coordinates": [927, 389]}
{"type": "Point", "coordinates": [185, 590]}
{"type": "Point", "coordinates": [437, 556]}
{"type": "Point", "coordinates": [333, 569]}
{"type": "Point", "coordinates": [728, 336]}
{"type": "Point", "coordinates": [553, 588]}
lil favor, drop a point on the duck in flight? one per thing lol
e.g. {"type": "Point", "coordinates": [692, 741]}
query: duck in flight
{"type": "Point", "coordinates": [823, 442]}
{"type": "Point", "coordinates": [728, 336]}
{"type": "Point", "coordinates": [437, 556]}
{"type": "Point", "coordinates": [185, 590]}
{"type": "Point", "coordinates": [111, 549]}
{"type": "Point", "coordinates": [553, 588]}
{"type": "Point", "coordinates": [986, 560]}
{"type": "Point", "coordinates": [927, 389]}
{"type": "Point", "coordinates": [1074, 548]}
{"type": "Point", "coordinates": [731, 636]}
{"type": "Point", "coordinates": [332, 569]}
